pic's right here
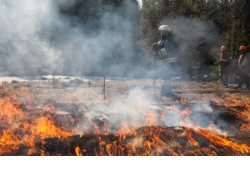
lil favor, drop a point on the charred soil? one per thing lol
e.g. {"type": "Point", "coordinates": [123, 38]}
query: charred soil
{"type": "Point", "coordinates": [52, 117]}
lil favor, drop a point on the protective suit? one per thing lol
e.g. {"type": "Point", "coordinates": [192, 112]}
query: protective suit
{"type": "Point", "coordinates": [165, 52]}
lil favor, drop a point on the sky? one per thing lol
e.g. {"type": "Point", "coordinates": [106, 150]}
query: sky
{"type": "Point", "coordinates": [140, 2]}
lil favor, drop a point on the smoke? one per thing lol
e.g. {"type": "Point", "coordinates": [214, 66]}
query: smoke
{"type": "Point", "coordinates": [197, 45]}
{"type": "Point", "coordinates": [45, 38]}
{"type": "Point", "coordinates": [37, 38]}
{"type": "Point", "coordinates": [138, 108]}
{"type": "Point", "coordinates": [22, 46]}
{"type": "Point", "coordinates": [129, 110]}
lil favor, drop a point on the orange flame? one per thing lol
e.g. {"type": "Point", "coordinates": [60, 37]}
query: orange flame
{"type": "Point", "coordinates": [24, 128]}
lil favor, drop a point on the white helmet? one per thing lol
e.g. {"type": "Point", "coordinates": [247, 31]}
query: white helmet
{"type": "Point", "coordinates": [165, 27]}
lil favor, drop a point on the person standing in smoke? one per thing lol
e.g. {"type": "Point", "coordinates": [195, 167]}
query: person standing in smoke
{"type": "Point", "coordinates": [223, 61]}
{"type": "Point", "coordinates": [244, 67]}
{"type": "Point", "coordinates": [165, 51]}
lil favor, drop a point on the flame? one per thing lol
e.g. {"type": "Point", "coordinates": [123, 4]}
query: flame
{"type": "Point", "coordinates": [27, 130]}
{"type": "Point", "coordinates": [78, 151]}
{"type": "Point", "coordinates": [190, 137]}
{"type": "Point", "coordinates": [243, 149]}
{"type": "Point", "coordinates": [46, 129]}
{"type": "Point", "coordinates": [242, 113]}
{"type": "Point", "coordinates": [21, 129]}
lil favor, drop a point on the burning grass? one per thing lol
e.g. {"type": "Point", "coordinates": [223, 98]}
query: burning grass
{"type": "Point", "coordinates": [57, 127]}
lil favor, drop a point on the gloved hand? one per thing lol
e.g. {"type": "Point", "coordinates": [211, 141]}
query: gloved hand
{"type": "Point", "coordinates": [155, 47]}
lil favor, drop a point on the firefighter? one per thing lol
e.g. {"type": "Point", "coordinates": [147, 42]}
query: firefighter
{"type": "Point", "coordinates": [243, 67]}
{"type": "Point", "coordinates": [166, 47]}
{"type": "Point", "coordinates": [165, 51]}
{"type": "Point", "coordinates": [223, 61]}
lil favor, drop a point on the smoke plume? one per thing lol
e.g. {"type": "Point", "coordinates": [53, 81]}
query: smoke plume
{"type": "Point", "coordinates": [37, 38]}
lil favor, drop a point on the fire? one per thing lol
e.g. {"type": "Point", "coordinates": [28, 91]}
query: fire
{"type": "Point", "coordinates": [21, 129]}
{"type": "Point", "coordinates": [78, 151]}
{"type": "Point", "coordinates": [29, 129]}
{"type": "Point", "coordinates": [213, 128]}
{"type": "Point", "coordinates": [9, 111]}
{"type": "Point", "coordinates": [46, 129]}
{"type": "Point", "coordinates": [239, 109]}
{"type": "Point", "coordinates": [228, 145]}
{"type": "Point", "coordinates": [190, 137]}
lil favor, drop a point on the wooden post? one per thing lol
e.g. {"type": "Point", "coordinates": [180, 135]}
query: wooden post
{"type": "Point", "coordinates": [155, 62]}
{"type": "Point", "coordinates": [104, 87]}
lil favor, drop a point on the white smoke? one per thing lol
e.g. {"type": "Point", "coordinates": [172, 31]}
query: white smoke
{"type": "Point", "coordinates": [22, 45]}
{"type": "Point", "coordinates": [130, 109]}
{"type": "Point", "coordinates": [37, 39]}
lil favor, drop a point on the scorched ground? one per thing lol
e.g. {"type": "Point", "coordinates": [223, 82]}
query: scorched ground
{"type": "Point", "coordinates": [68, 116]}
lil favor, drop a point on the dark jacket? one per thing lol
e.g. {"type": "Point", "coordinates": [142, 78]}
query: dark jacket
{"type": "Point", "coordinates": [165, 48]}
{"type": "Point", "coordinates": [223, 59]}
{"type": "Point", "coordinates": [244, 63]}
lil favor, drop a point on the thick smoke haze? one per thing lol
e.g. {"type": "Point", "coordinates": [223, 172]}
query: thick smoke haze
{"type": "Point", "coordinates": [36, 38]}
{"type": "Point", "coordinates": [196, 40]}
{"type": "Point", "coordinates": [138, 108]}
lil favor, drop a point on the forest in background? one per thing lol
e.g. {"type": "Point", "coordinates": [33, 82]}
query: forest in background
{"type": "Point", "coordinates": [85, 37]}
{"type": "Point", "coordinates": [230, 17]}
{"type": "Point", "coordinates": [226, 24]}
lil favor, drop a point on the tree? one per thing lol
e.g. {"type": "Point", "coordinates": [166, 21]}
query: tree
{"type": "Point", "coordinates": [228, 18]}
